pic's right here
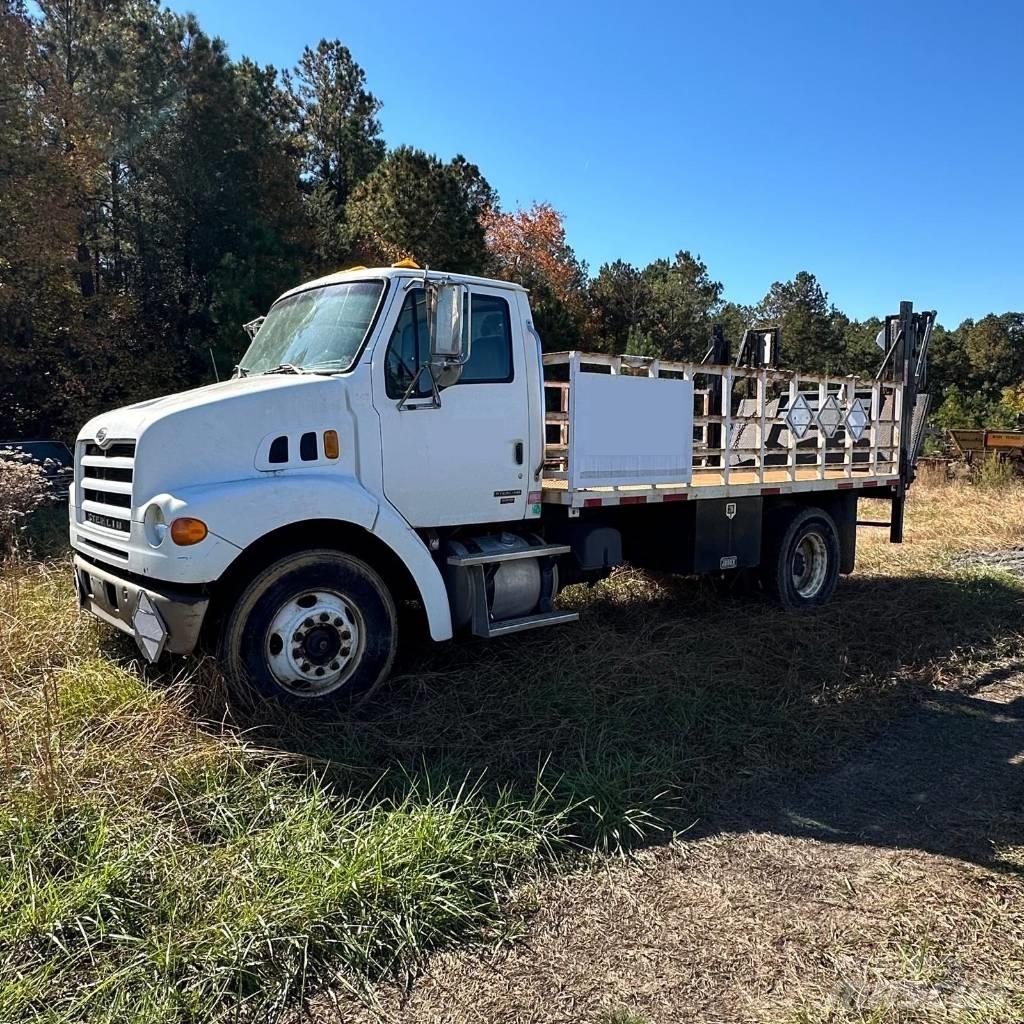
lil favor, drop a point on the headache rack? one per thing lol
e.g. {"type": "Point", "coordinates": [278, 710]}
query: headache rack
{"type": "Point", "coordinates": [682, 431]}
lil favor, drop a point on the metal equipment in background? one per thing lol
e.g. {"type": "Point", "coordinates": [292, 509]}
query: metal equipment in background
{"type": "Point", "coordinates": [904, 340]}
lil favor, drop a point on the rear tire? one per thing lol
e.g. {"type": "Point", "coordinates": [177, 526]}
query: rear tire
{"type": "Point", "coordinates": [800, 563]}
{"type": "Point", "coordinates": [316, 630]}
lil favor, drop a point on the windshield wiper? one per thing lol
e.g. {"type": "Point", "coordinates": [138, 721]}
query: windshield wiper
{"type": "Point", "coordinates": [284, 368]}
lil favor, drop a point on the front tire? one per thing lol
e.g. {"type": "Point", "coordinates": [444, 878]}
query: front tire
{"type": "Point", "coordinates": [316, 629]}
{"type": "Point", "coordinates": [800, 567]}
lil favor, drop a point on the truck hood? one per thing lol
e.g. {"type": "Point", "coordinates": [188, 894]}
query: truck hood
{"type": "Point", "coordinates": [130, 420]}
{"type": "Point", "coordinates": [214, 433]}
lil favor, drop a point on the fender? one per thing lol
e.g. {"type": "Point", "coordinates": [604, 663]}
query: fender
{"type": "Point", "coordinates": [242, 511]}
{"type": "Point", "coordinates": [391, 528]}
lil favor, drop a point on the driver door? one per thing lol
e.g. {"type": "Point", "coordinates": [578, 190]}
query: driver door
{"type": "Point", "coordinates": [464, 462]}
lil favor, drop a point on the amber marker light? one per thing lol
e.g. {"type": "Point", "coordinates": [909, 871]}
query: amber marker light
{"type": "Point", "coordinates": [332, 449]}
{"type": "Point", "coordinates": [187, 531]}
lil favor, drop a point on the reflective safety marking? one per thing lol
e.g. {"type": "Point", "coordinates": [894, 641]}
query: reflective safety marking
{"type": "Point", "coordinates": [150, 631]}
{"type": "Point", "coordinates": [799, 418]}
{"type": "Point", "coordinates": [846, 486]}
{"type": "Point", "coordinates": [771, 490]}
{"type": "Point", "coordinates": [829, 416]}
{"type": "Point", "coordinates": [681, 496]}
{"type": "Point", "coordinates": [857, 419]}
{"type": "Point", "coordinates": [591, 502]}
{"type": "Point", "coordinates": [634, 499]}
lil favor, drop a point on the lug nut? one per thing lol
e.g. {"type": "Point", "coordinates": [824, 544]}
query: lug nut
{"type": "Point", "coordinates": [324, 616]}
{"type": "Point", "coordinates": [320, 671]}
{"type": "Point", "coordinates": [338, 622]}
{"type": "Point", "coordinates": [309, 623]}
{"type": "Point", "coordinates": [334, 666]}
{"type": "Point", "coordinates": [346, 635]}
{"type": "Point", "coordinates": [306, 666]}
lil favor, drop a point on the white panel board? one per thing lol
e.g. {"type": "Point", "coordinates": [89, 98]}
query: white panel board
{"type": "Point", "coordinates": [629, 430]}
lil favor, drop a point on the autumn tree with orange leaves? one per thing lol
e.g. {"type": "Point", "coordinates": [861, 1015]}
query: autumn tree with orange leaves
{"type": "Point", "coordinates": [529, 247]}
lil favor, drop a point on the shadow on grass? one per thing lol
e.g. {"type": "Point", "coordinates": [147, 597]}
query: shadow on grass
{"type": "Point", "coordinates": [948, 778]}
{"type": "Point", "coordinates": [666, 700]}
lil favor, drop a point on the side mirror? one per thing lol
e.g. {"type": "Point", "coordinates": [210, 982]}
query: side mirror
{"type": "Point", "coordinates": [445, 317]}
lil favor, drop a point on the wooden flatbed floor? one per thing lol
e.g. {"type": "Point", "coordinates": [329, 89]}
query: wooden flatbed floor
{"type": "Point", "coordinates": [710, 483]}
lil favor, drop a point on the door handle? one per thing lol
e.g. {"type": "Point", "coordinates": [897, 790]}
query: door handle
{"type": "Point", "coordinates": [519, 452]}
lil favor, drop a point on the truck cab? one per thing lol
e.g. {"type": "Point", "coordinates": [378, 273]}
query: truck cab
{"type": "Point", "coordinates": [342, 433]}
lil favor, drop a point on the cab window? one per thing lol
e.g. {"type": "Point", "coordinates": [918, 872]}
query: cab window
{"type": "Point", "coordinates": [407, 349]}
{"type": "Point", "coordinates": [490, 360]}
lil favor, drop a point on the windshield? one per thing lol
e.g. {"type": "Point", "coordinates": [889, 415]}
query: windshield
{"type": "Point", "coordinates": [318, 329]}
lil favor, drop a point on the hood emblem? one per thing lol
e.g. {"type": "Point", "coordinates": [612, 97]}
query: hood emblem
{"type": "Point", "coordinates": [101, 437]}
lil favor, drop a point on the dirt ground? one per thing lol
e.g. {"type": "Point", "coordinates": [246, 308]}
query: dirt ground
{"type": "Point", "coordinates": [889, 889]}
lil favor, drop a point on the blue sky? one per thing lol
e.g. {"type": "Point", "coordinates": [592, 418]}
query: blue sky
{"type": "Point", "coordinates": [877, 144]}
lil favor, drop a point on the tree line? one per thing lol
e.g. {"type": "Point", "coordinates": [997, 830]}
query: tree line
{"type": "Point", "coordinates": [155, 194]}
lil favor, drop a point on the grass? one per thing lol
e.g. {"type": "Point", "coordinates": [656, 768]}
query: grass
{"type": "Point", "coordinates": [165, 859]}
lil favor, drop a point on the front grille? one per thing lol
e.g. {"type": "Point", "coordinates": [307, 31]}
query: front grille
{"type": "Point", "coordinates": [104, 473]}
{"type": "Point", "coordinates": [107, 497]}
{"type": "Point", "coordinates": [114, 450]}
{"type": "Point", "coordinates": [104, 476]}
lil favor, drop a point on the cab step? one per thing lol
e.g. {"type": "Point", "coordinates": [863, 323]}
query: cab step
{"type": "Point", "coordinates": [492, 557]}
{"type": "Point", "coordinates": [489, 630]}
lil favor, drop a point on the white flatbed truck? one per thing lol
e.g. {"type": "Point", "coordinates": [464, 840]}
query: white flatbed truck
{"type": "Point", "coordinates": [396, 435]}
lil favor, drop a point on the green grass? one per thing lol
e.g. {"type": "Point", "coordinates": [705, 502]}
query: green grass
{"type": "Point", "coordinates": [622, 1016]}
{"type": "Point", "coordinates": [166, 858]}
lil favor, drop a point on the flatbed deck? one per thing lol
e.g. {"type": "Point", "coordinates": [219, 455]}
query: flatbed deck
{"type": "Point", "coordinates": [712, 484]}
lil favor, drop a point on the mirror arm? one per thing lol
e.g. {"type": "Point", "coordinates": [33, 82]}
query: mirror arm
{"type": "Point", "coordinates": [434, 393]}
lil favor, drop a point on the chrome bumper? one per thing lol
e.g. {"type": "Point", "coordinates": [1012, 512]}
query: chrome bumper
{"type": "Point", "coordinates": [161, 619]}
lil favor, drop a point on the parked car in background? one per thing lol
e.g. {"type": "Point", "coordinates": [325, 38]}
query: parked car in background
{"type": "Point", "coordinates": [54, 457]}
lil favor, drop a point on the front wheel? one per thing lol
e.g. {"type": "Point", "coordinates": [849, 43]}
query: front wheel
{"type": "Point", "coordinates": [800, 567]}
{"type": "Point", "coordinates": [316, 629]}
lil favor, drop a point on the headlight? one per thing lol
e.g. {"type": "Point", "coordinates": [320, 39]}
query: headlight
{"type": "Point", "coordinates": [154, 525]}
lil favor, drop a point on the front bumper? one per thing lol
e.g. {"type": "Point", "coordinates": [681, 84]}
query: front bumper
{"type": "Point", "coordinates": [160, 618]}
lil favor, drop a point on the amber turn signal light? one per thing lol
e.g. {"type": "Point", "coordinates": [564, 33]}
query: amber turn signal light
{"type": "Point", "coordinates": [187, 531]}
{"type": "Point", "coordinates": [331, 446]}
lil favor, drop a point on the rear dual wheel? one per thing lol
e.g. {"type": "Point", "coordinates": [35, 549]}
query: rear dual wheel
{"type": "Point", "coordinates": [316, 629]}
{"type": "Point", "coordinates": [800, 561]}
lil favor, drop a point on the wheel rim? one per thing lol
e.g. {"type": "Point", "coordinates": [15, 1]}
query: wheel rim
{"type": "Point", "coordinates": [314, 642]}
{"type": "Point", "coordinates": [810, 565]}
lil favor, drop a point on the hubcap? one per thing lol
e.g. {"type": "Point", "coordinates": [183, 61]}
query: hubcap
{"type": "Point", "coordinates": [314, 642]}
{"type": "Point", "coordinates": [810, 565]}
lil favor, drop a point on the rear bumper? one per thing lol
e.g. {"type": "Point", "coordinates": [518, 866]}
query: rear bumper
{"type": "Point", "coordinates": [115, 600]}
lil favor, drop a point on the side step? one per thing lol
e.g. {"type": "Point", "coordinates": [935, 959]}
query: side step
{"type": "Point", "coordinates": [494, 629]}
{"type": "Point", "coordinates": [487, 558]}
